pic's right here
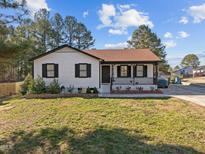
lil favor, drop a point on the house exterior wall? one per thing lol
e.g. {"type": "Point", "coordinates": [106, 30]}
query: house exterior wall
{"type": "Point", "coordinates": [66, 59]}
{"type": "Point", "coordinates": [144, 80]}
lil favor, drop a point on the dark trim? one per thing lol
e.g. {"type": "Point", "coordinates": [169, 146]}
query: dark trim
{"type": "Point", "coordinates": [99, 75]}
{"type": "Point", "coordinates": [130, 62]}
{"type": "Point", "coordinates": [61, 47]}
{"type": "Point", "coordinates": [86, 70]}
{"type": "Point", "coordinates": [136, 76]}
{"type": "Point", "coordinates": [129, 75]}
{"type": "Point", "coordinates": [46, 70]}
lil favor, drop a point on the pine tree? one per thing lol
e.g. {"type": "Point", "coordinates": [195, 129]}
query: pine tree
{"type": "Point", "coordinates": [83, 37]}
{"type": "Point", "coordinates": [143, 37]}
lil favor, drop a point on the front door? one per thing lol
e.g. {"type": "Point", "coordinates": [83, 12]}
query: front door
{"type": "Point", "coordinates": [105, 74]}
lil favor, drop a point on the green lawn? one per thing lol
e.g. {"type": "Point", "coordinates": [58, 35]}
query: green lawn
{"type": "Point", "coordinates": [77, 125]}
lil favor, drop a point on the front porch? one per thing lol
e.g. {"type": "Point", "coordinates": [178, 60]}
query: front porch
{"type": "Point", "coordinates": [128, 77]}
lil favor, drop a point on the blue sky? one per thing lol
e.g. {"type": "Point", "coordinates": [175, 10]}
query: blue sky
{"type": "Point", "coordinates": [179, 23]}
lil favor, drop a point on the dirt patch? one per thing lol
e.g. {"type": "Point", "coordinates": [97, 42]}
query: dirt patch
{"type": "Point", "coordinates": [6, 107]}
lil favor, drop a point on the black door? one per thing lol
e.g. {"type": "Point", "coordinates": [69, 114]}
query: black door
{"type": "Point", "coordinates": [105, 74]}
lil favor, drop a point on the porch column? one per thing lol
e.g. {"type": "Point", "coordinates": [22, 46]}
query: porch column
{"type": "Point", "coordinates": [112, 77]}
{"type": "Point", "coordinates": [155, 73]}
{"type": "Point", "coordinates": [133, 72]}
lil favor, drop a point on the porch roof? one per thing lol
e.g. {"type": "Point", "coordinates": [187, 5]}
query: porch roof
{"type": "Point", "coordinates": [125, 55]}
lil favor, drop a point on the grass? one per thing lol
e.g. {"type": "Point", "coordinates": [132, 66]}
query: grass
{"type": "Point", "coordinates": [77, 125]}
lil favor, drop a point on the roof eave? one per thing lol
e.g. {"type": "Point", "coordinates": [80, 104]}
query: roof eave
{"type": "Point", "coordinates": [61, 47]}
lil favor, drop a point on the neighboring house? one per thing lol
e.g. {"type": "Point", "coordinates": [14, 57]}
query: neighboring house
{"type": "Point", "coordinates": [199, 71]}
{"type": "Point", "coordinates": [185, 72]}
{"type": "Point", "coordinates": [106, 70]}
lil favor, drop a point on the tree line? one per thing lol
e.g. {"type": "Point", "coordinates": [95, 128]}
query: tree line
{"type": "Point", "coordinates": [22, 37]}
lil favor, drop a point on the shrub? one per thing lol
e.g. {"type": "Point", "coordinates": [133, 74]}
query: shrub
{"type": "Point", "coordinates": [27, 84]}
{"type": "Point", "coordinates": [54, 87]}
{"type": "Point", "coordinates": [95, 90]}
{"type": "Point", "coordinates": [39, 86]}
{"type": "Point", "coordinates": [88, 91]}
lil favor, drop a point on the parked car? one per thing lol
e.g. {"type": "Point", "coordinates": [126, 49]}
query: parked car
{"type": "Point", "coordinates": [163, 83]}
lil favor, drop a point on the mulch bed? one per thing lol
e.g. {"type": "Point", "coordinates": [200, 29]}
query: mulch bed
{"type": "Point", "coordinates": [136, 92]}
{"type": "Point", "coordinates": [48, 96]}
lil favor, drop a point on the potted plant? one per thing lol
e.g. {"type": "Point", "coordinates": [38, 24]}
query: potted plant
{"type": "Point", "coordinates": [70, 89]}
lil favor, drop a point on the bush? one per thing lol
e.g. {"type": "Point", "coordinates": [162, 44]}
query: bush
{"type": "Point", "coordinates": [88, 90]}
{"type": "Point", "coordinates": [54, 87]}
{"type": "Point", "coordinates": [27, 85]}
{"type": "Point", "coordinates": [95, 90]}
{"type": "Point", "coordinates": [39, 86]}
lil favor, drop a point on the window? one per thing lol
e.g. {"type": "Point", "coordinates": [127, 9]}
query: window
{"type": "Point", "coordinates": [139, 71]}
{"type": "Point", "coordinates": [50, 70]}
{"type": "Point", "coordinates": [123, 71]}
{"type": "Point", "coordinates": [82, 70]}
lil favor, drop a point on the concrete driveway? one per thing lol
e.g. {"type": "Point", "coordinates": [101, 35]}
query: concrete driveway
{"type": "Point", "coordinates": [192, 93]}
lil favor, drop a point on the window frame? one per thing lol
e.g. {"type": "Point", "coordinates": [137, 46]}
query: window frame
{"type": "Point", "coordinates": [122, 76]}
{"type": "Point", "coordinates": [86, 70]}
{"type": "Point", "coordinates": [136, 75]}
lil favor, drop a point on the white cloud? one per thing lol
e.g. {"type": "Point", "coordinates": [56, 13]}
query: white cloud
{"type": "Point", "coordinates": [168, 35]}
{"type": "Point", "coordinates": [85, 14]}
{"type": "Point", "coordinates": [183, 34]}
{"type": "Point", "coordinates": [122, 17]}
{"type": "Point", "coordinates": [133, 17]}
{"type": "Point", "coordinates": [35, 5]}
{"type": "Point", "coordinates": [184, 20]}
{"type": "Point", "coordinates": [197, 12]}
{"type": "Point", "coordinates": [120, 45]}
{"type": "Point", "coordinates": [117, 31]}
{"type": "Point", "coordinates": [125, 6]}
{"type": "Point", "coordinates": [170, 44]}
{"type": "Point", "coordinates": [105, 14]}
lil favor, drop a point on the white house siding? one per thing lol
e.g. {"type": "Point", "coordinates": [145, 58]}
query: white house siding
{"type": "Point", "coordinates": [147, 80]}
{"type": "Point", "coordinates": [146, 83]}
{"type": "Point", "coordinates": [66, 59]}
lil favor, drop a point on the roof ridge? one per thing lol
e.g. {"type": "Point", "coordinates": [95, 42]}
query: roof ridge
{"type": "Point", "coordinates": [117, 49]}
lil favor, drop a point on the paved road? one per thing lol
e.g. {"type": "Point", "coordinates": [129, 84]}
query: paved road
{"type": "Point", "coordinates": [192, 93]}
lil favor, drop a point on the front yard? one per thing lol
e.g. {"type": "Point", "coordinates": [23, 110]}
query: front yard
{"type": "Point", "coordinates": [77, 125]}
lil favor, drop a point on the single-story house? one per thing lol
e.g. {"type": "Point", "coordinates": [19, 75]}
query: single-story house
{"type": "Point", "coordinates": [185, 71]}
{"type": "Point", "coordinates": [199, 71]}
{"type": "Point", "coordinates": [107, 70]}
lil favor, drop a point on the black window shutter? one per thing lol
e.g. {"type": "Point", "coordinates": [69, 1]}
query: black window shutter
{"type": "Point", "coordinates": [118, 71]}
{"type": "Point", "coordinates": [44, 70]}
{"type": "Point", "coordinates": [128, 71]}
{"type": "Point", "coordinates": [145, 71]}
{"type": "Point", "coordinates": [134, 71]}
{"type": "Point", "coordinates": [56, 70]}
{"type": "Point", "coordinates": [88, 70]}
{"type": "Point", "coordinates": [77, 70]}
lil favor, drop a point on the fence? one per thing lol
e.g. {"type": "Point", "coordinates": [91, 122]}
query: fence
{"type": "Point", "coordinates": [12, 88]}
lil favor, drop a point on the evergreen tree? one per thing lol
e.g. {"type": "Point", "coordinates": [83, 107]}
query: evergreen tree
{"type": "Point", "coordinates": [42, 30]}
{"type": "Point", "coordinates": [143, 37]}
{"type": "Point", "coordinates": [18, 11]}
{"type": "Point", "coordinates": [190, 60]}
{"type": "Point", "coordinates": [83, 37]}
{"type": "Point", "coordinates": [58, 27]}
